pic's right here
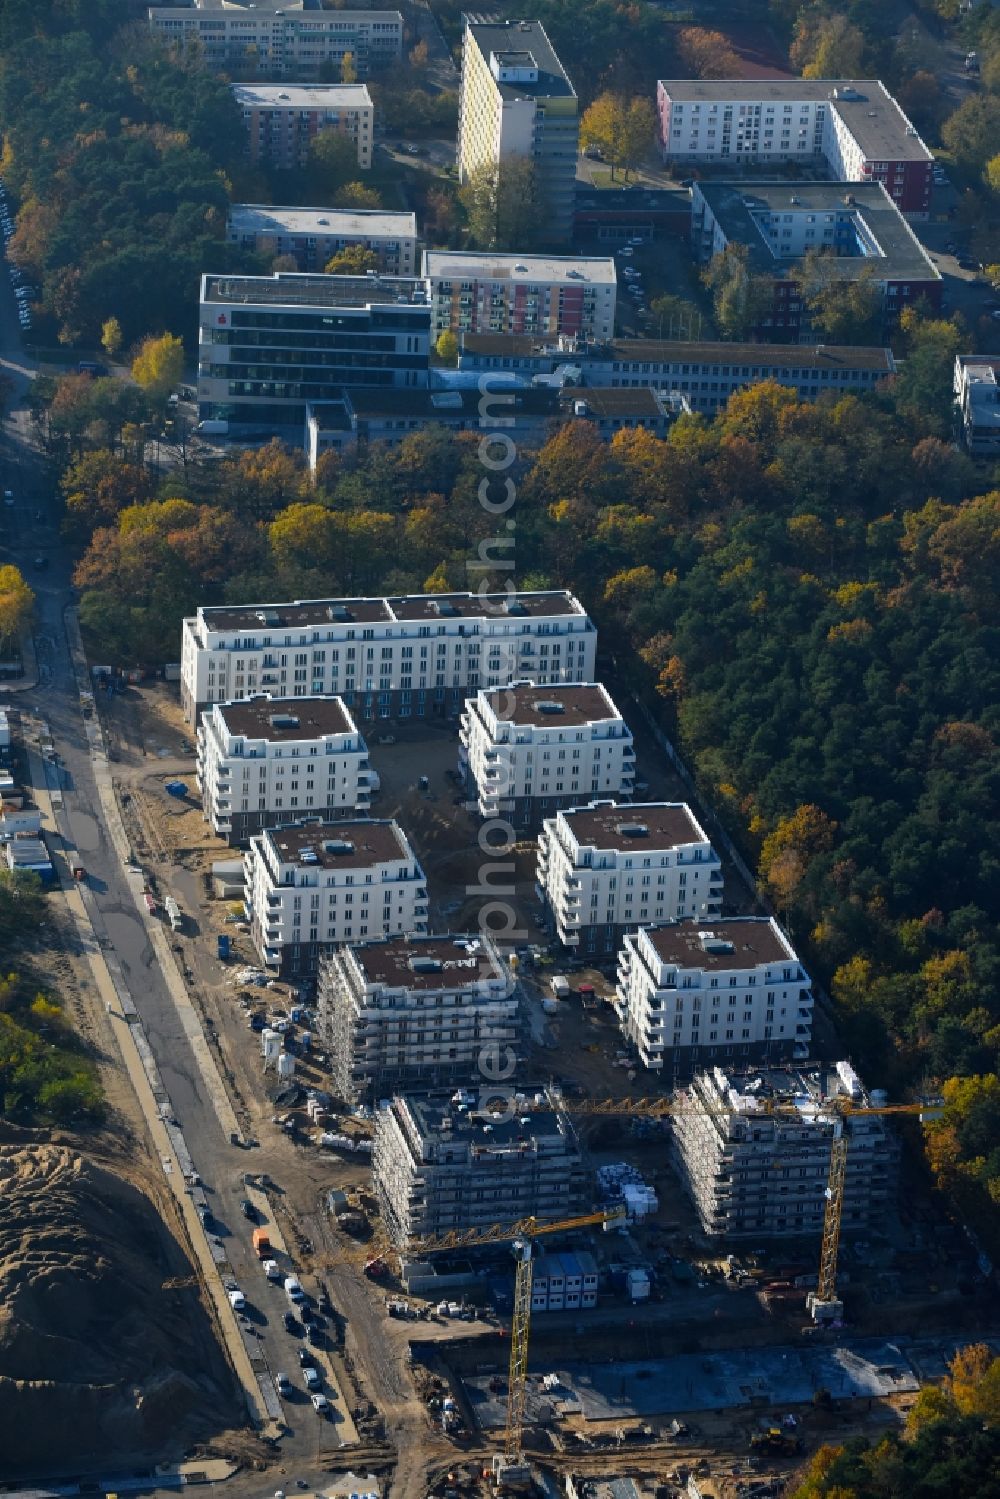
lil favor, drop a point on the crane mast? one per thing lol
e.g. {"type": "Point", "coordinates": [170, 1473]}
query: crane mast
{"type": "Point", "coordinates": [517, 1382]}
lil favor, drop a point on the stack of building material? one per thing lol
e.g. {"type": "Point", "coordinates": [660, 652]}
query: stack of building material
{"type": "Point", "coordinates": [620, 1182]}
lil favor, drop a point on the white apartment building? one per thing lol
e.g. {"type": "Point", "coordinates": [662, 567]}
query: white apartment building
{"type": "Point", "coordinates": [604, 870]}
{"type": "Point", "coordinates": [485, 292]}
{"type": "Point", "coordinates": [516, 100]}
{"type": "Point", "coordinates": [315, 235]}
{"type": "Point", "coordinates": [413, 1012]}
{"type": "Point", "coordinates": [856, 128]}
{"type": "Point", "coordinates": [752, 1149]}
{"type": "Point", "coordinates": [693, 994]}
{"type": "Point", "coordinates": [313, 886]}
{"type": "Point", "coordinates": [976, 384]}
{"type": "Point", "coordinates": [264, 760]}
{"type": "Point", "coordinates": [528, 749]}
{"type": "Point", "coordinates": [385, 657]}
{"type": "Point", "coordinates": [283, 119]}
{"type": "Point", "coordinates": [281, 38]}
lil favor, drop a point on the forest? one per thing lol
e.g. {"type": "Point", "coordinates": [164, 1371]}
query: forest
{"type": "Point", "coordinates": [118, 159]}
{"type": "Point", "coordinates": [46, 1073]}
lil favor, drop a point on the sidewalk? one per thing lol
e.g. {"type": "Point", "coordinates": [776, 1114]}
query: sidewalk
{"type": "Point", "coordinates": [137, 1058]}
{"type": "Point", "coordinates": [190, 1021]}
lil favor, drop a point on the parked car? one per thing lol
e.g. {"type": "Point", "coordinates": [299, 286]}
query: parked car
{"type": "Point", "coordinates": [320, 1403]}
{"type": "Point", "coordinates": [282, 1384]}
{"type": "Point", "coordinates": [291, 1322]}
{"type": "Point", "coordinates": [311, 1376]}
{"type": "Point", "coordinates": [306, 1360]}
{"type": "Point", "coordinates": [248, 1210]}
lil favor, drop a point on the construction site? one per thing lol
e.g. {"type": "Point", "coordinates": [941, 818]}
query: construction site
{"type": "Point", "coordinates": [493, 1312]}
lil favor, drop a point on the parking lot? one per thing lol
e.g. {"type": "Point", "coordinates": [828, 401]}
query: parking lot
{"type": "Point", "coordinates": [24, 292]}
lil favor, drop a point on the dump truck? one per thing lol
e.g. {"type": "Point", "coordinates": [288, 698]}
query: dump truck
{"type": "Point", "coordinates": [262, 1244]}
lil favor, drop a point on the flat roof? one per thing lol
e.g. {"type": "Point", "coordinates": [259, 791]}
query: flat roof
{"type": "Point", "coordinates": [613, 826]}
{"type": "Point", "coordinates": [901, 257]}
{"type": "Point", "coordinates": [455, 403]}
{"type": "Point", "coordinates": [814, 1082]}
{"type": "Point", "coordinates": [552, 705]}
{"type": "Point", "coordinates": [307, 289]}
{"type": "Point", "coordinates": [240, 7]}
{"type": "Point", "coordinates": [523, 36]}
{"type": "Point", "coordinates": [430, 1110]}
{"type": "Point", "coordinates": [482, 265]}
{"type": "Point", "coordinates": [428, 963]}
{"type": "Point", "coordinates": [266, 218]}
{"type": "Point", "coordinates": [295, 615]}
{"type": "Point", "coordinates": [775, 356]}
{"type": "Point", "coordinates": [555, 602]}
{"type": "Point", "coordinates": [358, 843]}
{"type": "Point", "coordinates": [763, 90]}
{"type": "Point", "coordinates": [750, 940]}
{"type": "Point", "coordinates": [985, 367]}
{"type": "Point", "coordinates": [302, 95]}
{"type": "Point", "coordinates": [430, 606]}
{"type": "Point", "coordinates": [281, 719]}
{"type": "Point", "coordinates": [243, 5]}
{"type": "Point", "coordinates": [872, 115]}
{"type": "Point", "coordinates": [666, 351]}
{"type": "Point", "coordinates": [612, 400]}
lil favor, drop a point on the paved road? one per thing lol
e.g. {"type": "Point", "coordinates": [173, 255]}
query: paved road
{"type": "Point", "coordinates": [30, 530]}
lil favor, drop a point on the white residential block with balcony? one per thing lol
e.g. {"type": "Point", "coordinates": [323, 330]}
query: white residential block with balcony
{"type": "Point", "coordinates": [547, 295]}
{"type": "Point", "coordinates": [604, 870]}
{"type": "Point", "coordinates": [312, 887]}
{"type": "Point", "coordinates": [402, 657]}
{"type": "Point", "coordinates": [695, 994]}
{"type": "Point", "coordinates": [529, 749]}
{"type": "Point", "coordinates": [263, 761]}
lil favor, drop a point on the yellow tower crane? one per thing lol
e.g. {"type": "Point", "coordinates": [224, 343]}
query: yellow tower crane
{"type": "Point", "coordinates": [510, 1467]}
{"type": "Point", "coordinates": [823, 1303]}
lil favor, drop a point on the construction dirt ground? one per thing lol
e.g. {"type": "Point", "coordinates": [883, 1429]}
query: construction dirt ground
{"type": "Point", "coordinates": [149, 743]}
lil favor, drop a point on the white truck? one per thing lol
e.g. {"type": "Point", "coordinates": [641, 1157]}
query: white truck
{"type": "Point", "coordinates": [174, 916]}
{"type": "Point", "coordinates": [559, 986]}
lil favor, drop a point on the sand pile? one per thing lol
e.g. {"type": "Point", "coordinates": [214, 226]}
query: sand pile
{"type": "Point", "coordinates": [97, 1361]}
